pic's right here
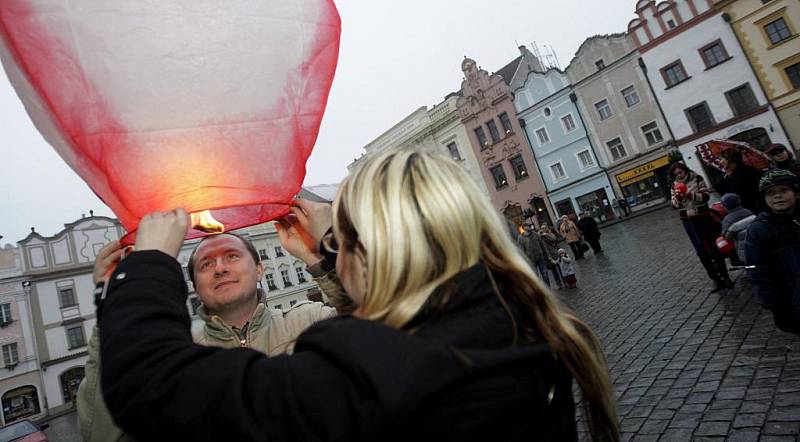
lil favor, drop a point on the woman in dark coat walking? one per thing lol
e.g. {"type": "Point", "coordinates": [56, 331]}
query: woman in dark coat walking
{"type": "Point", "coordinates": [590, 231]}
{"type": "Point", "coordinates": [740, 179]}
{"type": "Point", "coordinates": [454, 337]}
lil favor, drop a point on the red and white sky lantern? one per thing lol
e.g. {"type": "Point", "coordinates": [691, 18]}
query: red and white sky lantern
{"type": "Point", "coordinates": [203, 104]}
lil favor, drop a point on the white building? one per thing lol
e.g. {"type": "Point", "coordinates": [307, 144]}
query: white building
{"type": "Point", "coordinates": [438, 129]}
{"type": "Point", "coordinates": [701, 77]}
{"type": "Point", "coordinates": [58, 270]}
{"type": "Point", "coordinates": [20, 380]}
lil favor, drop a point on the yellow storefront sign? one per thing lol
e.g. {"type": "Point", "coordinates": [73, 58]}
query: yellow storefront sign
{"type": "Point", "coordinates": [642, 172]}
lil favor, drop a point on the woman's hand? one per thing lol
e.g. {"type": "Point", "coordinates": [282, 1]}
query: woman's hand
{"type": "Point", "coordinates": [297, 241]}
{"type": "Point", "coordinates": [315, 218]}
{"type": "Point", "coordinates": [163, 231]}
{"type": "Point", "coordinates": [106, 261]}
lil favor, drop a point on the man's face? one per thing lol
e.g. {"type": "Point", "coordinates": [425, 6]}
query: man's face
{"type": "Point", "coordinates": [781, 198]}
{"type": "Point", "coordinates": [780, 156]}
{"type": "Point", "coordinates": [225, 273]}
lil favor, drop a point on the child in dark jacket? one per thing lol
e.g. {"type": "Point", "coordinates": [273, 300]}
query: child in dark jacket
{"type": "Point", "coordinates": [773, 250]}
{"type": "Point", "coordinates": [734, 225]}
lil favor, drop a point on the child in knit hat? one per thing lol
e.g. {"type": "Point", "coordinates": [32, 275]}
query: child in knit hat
{"type": "Point", "coordinates": [734, 226]}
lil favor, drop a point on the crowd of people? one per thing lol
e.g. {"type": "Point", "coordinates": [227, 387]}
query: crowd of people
{"type": "Point", "coordinates": [756, 225]}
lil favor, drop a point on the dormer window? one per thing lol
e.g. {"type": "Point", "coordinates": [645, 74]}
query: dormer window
{"type": "Point", "coordinates": [600, 64]}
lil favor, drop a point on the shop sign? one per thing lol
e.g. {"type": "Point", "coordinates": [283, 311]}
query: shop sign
{"type": "Point", "coordinates": [642, 172]}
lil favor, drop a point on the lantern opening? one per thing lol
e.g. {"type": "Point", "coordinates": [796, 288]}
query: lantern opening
{"type": "Point", "coordinates": [205, 222]}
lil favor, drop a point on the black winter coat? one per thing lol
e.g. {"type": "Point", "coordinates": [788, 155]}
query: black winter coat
{"type": "Point", "coordinates": [456, 378]}
{"type": "Point", "coordinates": [743, 182]}
{"type": "Point", "coordinates": [589, 228]}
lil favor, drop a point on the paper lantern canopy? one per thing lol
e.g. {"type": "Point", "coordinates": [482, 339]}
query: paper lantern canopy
{"type": "Point", "coordinates": [201, 104]}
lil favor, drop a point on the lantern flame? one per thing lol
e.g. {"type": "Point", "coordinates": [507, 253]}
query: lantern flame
{"type": "Point", "coordinates": [521, 230]}
{"type": "Point", "coordinates": [204, 222]}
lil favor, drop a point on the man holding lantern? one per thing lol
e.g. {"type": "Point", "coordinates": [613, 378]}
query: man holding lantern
{"type": "Point", "coordinates": [225, 269]}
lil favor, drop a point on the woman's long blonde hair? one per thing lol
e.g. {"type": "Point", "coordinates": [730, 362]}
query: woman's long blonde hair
{"type": "Point", "coordinates": [417, 219]}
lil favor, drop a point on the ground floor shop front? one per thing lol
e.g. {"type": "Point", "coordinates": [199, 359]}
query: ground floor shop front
{"type": "Point", "coordinates": [594, 195]}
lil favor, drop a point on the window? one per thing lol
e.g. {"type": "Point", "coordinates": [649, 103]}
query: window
{"type": "Point", "coordinates": [278, 251]}
{"type": "Point", "coordinates": [499, 176]}
{"type": "Point", "coordinates": [67, 297]}
{"type": "Point", "coordinates": [557, 170]}
{"type": "Point", "coordinates": [585, 159]}
{"type": "Point", "coordinates": [617, 149]}
{"type": "Point", "coordinates": [5, 314]}
{"type": "Point", "coordinates": [262, 253]}
{"type": "Point", "coordinates": [541, 133]}
{"type": "Point", "coordinates": [713, 54]}
{"type": "Point", "coordinates": [777, 31]}
{"type": "Point", "coordinates": [287, 282]}
{"type": "Point", "coordinates": [568, 122]}
{"type": "Point", "coordinates": [518, 165]}
{"type": "Point", "coordinates": [600, 64]}
{"type": "Point", "coordinates": [277, 306]}
{"type": "Point", "coordinates": [301, 275]}
{"type": "Point", "coordinates": [741, 100]}
{"type": "Point", "coordinates": [700, 117]}
{"type": "Point", "coordinates": [482, 141]}
{"type": "Point", "coordinates": [671, 23]}
{"type": "Point", "coordinates": [454, 153]}
{"type": "Point", "coordinates": [630, 95]}
{"type": "Point", "coordinates": [793, 72]}
{"type": "Point", "coordinates": [10, 355]}
{"type": "Point", "coordinates": [271, 282]}
{"type": "Point", "coordinates": [603, 109]}
{"type": "Point", "coordinates": [674, 74]}
{"type": "Point", "coordinates": [292, 303]}
{"type": "Point", "coordinates": [75, 337]}
{"type": "Point", "coordinates": [652, 133]}
{"type": "Point", "coordinates": [493, 130]}
{"type": "Point", "coordinates": [547, 112]}
{"type": "Point", "coordinates": [506, 122]}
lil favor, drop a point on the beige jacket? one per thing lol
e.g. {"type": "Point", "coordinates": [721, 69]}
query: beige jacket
{"type": "Point", "coordinates": [269, 331]}
{"type": "Point", "coordinates": [570, 231]}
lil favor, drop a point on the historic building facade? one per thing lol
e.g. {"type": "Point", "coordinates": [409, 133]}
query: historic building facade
{"type": "Point", "coordinates": [701, 77]}
{"type": "Point", "coordinates": [767, 31]}
{"type": "Point", "coordinates": [486, 109]}
{"type": "Point", "coordinates": [623, 118]}
{"type": "Point", "coordinates": [437, 129]}
{"type": "Point", "coordinates": [20, 380]}
{"type": "Point", "coordinates": [553, 126]}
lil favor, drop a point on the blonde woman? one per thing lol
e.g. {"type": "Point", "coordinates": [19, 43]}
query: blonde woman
{"type": "Point", "coordinates": [454, 337]}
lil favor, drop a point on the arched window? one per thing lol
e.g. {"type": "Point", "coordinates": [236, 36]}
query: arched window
{"type": "Point", "coordinates": [70, 380]}
{"type": "Point", "coordinates": [20, 403]}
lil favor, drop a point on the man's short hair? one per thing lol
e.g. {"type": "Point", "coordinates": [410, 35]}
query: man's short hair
{"type": "Point", "coordinates": [250, 248]}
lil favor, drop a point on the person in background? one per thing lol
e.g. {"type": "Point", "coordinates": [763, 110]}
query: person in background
{"type": "Point", "coordinates": [590, 231]}
{"type": "Point", "coordinates": [567, 269]}
{"type": "Point", "coordinates": [772, 250]}
{"type": "Point", "coordinates": [534, 250]}
{"type": "Point", "coordinates": [740, 179]}
{"type": "Point", "coordinates": [689, 194]}
{"type": "Point", "coordinates": [571, 233]}
{"type": "Point", "coordinates": [550, 243]}
{"type": "Point", "coordinates": [783, 159]}
{"type": "Point", "coordinates": [734, 226]}
{"type": "Point", "coordinates": [453, 337]}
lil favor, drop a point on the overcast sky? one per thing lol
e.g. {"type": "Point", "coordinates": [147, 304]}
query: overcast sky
{"type": "Point", "coordinates": [394, 57]}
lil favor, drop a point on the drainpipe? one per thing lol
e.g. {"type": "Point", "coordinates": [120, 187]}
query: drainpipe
{"type": "Point", "coordinates": [523, 125]}
{"type": "Point", "coordinates": [574, 99]}
{"type": "Point", "coordinates": [729, 20]}
{"type": "Point", "coordinates": [658, 103]}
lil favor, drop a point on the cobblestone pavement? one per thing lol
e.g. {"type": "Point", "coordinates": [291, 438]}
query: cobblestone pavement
{"type": "Point", "coordinates": [63, 428]}
{"type": "Point", "coordinates": [686, 364]}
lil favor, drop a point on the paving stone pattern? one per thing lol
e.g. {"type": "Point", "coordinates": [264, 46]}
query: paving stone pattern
{"type": "Point", "coordinates": [686, 364]}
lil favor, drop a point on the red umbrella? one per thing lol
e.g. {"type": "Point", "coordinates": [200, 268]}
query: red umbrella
{"type": "Point", "coordinates": [208, 105]}
{"type": "Point", "coordinates": [710, 152]}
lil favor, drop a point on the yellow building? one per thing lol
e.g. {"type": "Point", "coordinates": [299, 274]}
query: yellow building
{"type": "Point", "coordinates": [768, 31]}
